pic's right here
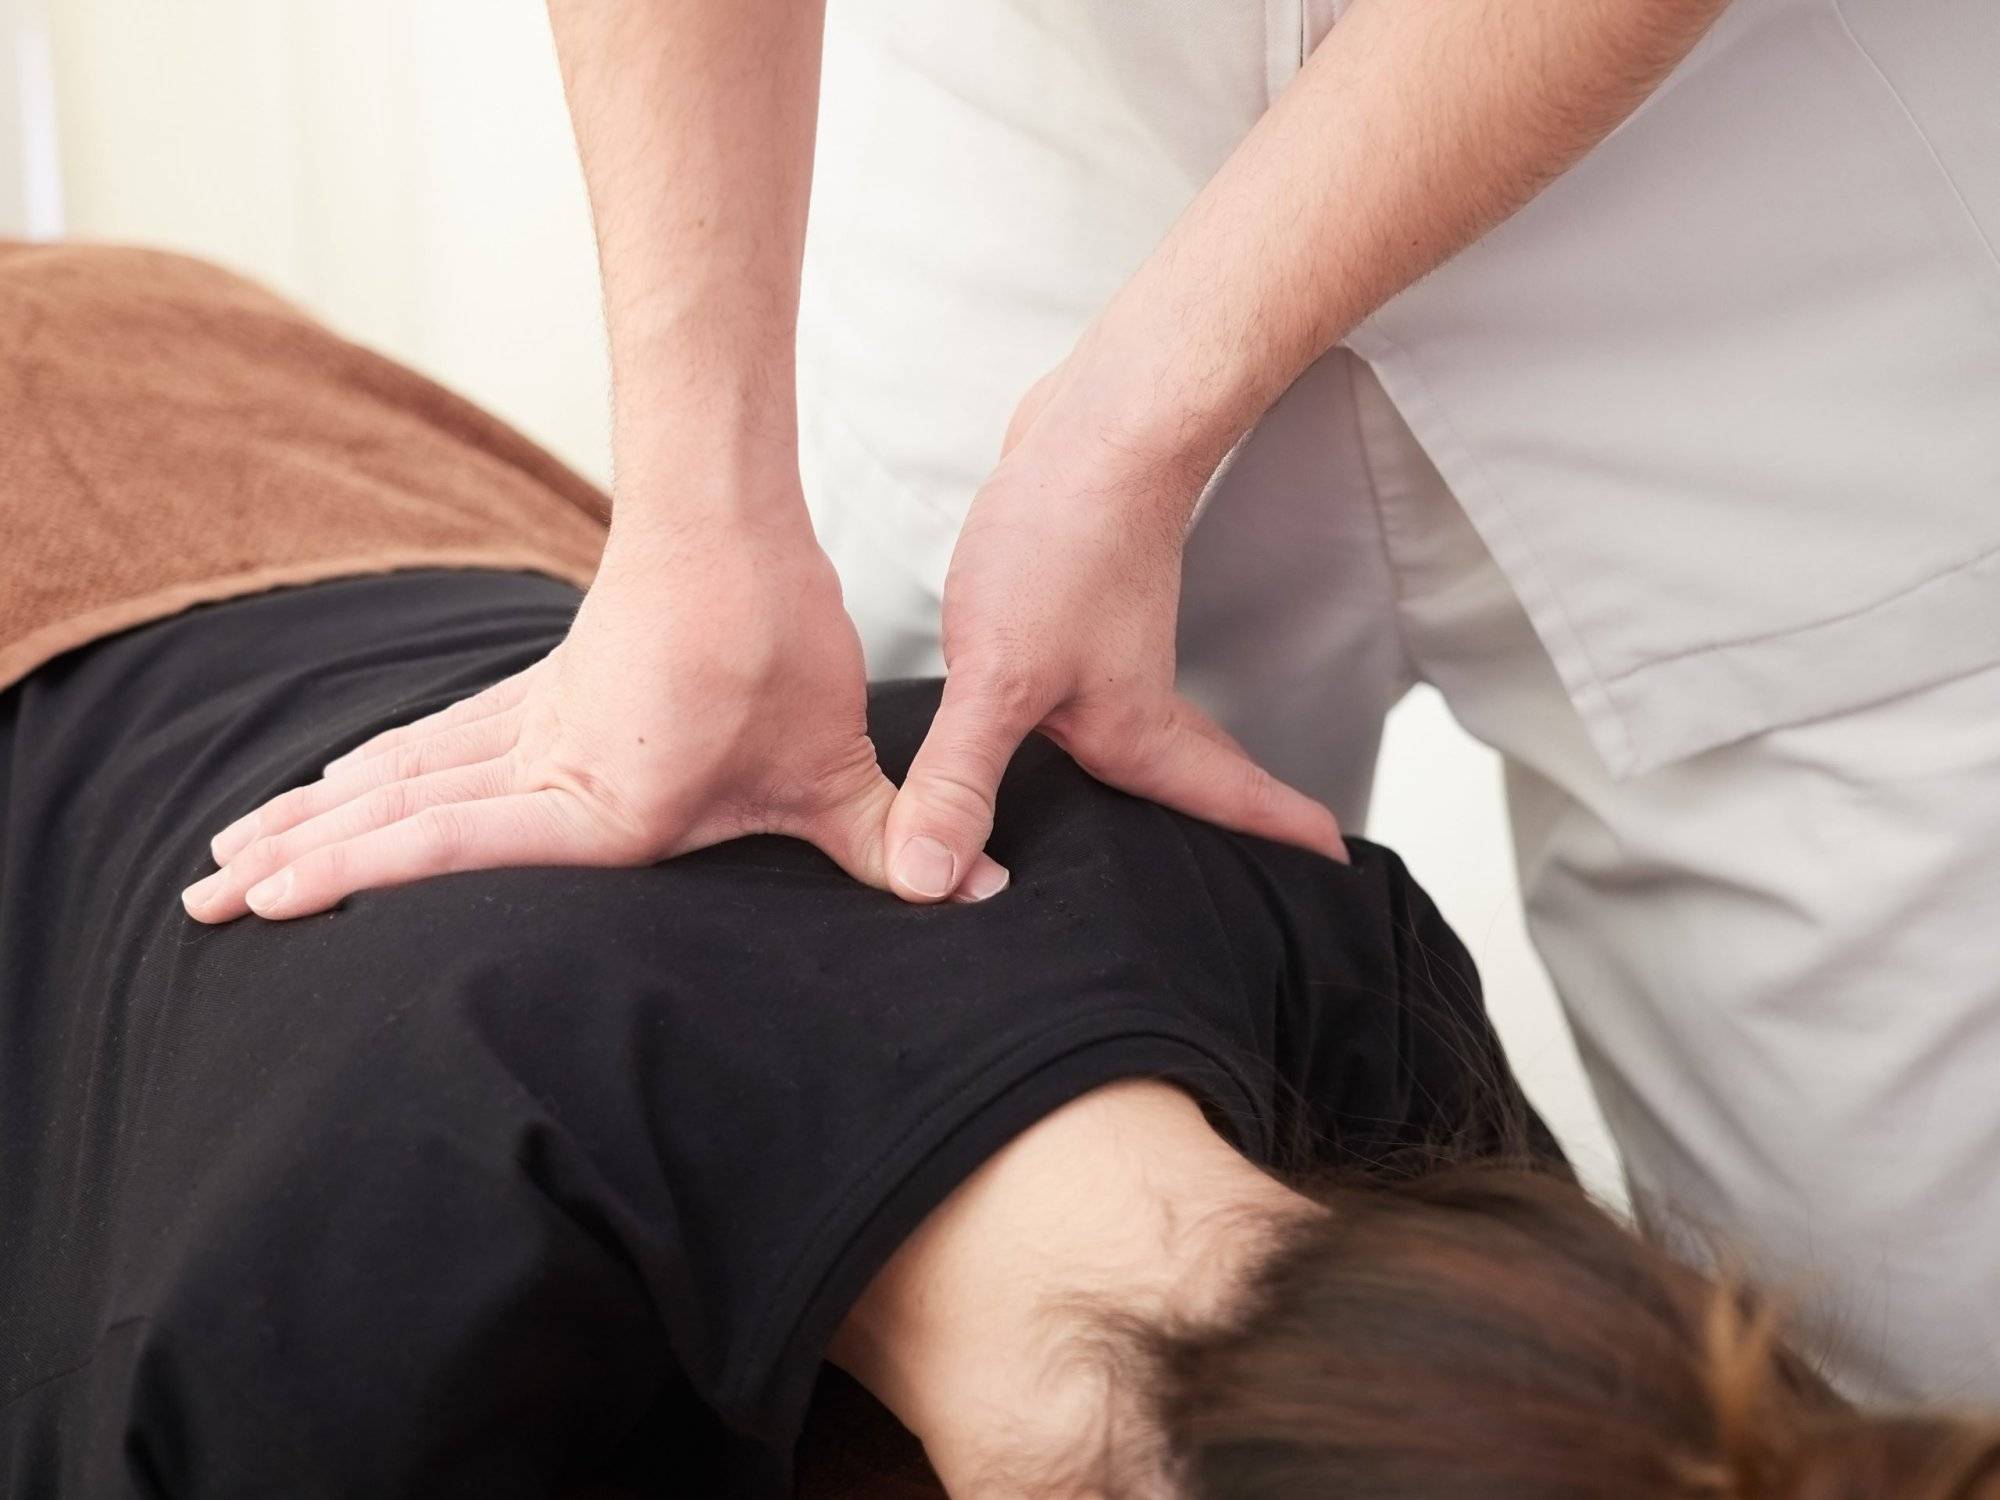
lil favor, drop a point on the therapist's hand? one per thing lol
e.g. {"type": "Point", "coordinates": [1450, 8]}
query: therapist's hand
{"type": "Point", "coordinates": [1059, 615]}
{"type": "Point", "coordinates": [711, 686]}
{"type": "Point", "coordinates": [1410, 132]}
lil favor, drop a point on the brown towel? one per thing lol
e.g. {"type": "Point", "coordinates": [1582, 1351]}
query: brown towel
{"type": "Point", "coordinates": [172, 434]}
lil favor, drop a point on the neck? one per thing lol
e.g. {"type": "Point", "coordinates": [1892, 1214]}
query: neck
{"type": "Point", "coordinates": [994, 1333]}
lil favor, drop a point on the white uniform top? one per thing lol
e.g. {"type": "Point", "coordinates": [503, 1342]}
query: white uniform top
{"type": "Point", "coordinates": [1724, 401]}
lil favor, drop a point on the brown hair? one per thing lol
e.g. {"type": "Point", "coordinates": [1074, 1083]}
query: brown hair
{"type": "Point", "coordinates": [1479, 1329]}
{"type": "Point", "coordinates": [1487, 1330]}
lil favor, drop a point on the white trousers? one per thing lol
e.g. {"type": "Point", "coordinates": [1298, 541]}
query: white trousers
{"type": "Point", "coordinates": [1781, 957]}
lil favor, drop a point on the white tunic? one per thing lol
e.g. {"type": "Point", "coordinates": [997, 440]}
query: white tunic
{"type": "Point", "coordinates": [1724, 401]}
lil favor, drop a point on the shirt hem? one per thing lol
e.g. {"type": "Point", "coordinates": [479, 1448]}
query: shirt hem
{"type": "Point", "coordinates": [1671, 708]}
{"type": "Point", "coordinates": [1940, 630]}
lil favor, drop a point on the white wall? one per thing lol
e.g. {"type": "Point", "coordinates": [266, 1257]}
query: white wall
{"type": "Point", "coordinates": [404, 167]}
{"type": "Point", "coordinates": [30, 194]}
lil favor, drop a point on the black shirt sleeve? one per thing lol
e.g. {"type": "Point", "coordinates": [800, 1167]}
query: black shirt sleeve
{"type": "Point", "coordinates": [1323, 1013]}
{"type": "Point", "coordinates": [434, 1193]}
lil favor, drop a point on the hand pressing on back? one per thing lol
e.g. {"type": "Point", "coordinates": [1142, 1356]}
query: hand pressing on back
{"type": "Point", "coordinates": [1060, 610]}
{"type": "Point", "coordinates": [711, 686]}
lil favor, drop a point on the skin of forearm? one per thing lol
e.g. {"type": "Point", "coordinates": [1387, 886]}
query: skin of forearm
{"type": "Point", "coordinates": [1415, 126]}
{"type": "Point", "coordinates": [694, 120]}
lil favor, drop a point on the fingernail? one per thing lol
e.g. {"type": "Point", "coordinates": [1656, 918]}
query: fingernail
{"type": "Point", "coordinates": [198, 893]}
{"type": "Point", "coordinates": [335, 764]}
{"type": "Point", "coordinates": [926, 866]}
{"type": "Point", "coordinates": [225, 844]}
{"type": "Point", "coordinates": [986, 879]}
{"type": "Point", "coordinates": [269, 893]}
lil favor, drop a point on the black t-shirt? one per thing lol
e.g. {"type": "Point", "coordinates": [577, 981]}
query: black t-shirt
{"type": "Point", "coordinates": [540, 1182]}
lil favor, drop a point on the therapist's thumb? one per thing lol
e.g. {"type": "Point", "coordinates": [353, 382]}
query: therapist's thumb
{"type": "Point", "coordinates": [847, 828]}
{"type": "Point", "coordinates": [942, 816]}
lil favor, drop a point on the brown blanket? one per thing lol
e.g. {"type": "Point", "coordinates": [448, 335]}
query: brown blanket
{"type": "Point", "coordinates": [172, 434]}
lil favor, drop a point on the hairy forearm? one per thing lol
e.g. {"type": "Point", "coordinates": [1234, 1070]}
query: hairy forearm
{"type": "Point", "coordinates": [694, 120]}
{"type": "Point", "coordinates": [1415, 126]}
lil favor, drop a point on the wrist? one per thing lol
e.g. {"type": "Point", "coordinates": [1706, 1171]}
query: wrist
{"type": "Point", "coordinates": [668, 515]}
{"type": "Point", "coordinates": [704, 415]}
{"type": "Point", "coordinates": [729, 458]}
{"type": "Point", "coordinates": [1142, 417]}
{"type": "Point", "coordinates": [1199, 343]}
{"type": "Point", "coordinates": [724, 457]}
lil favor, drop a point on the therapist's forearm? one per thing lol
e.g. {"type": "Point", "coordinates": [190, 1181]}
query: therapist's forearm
{"type": "Point", "coordinates": [1415, 126]}
{"type": "Point", "coordinates": [695, 120]}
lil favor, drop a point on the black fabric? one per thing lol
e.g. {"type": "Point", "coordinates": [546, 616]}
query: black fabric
{"type": "Point", "coordinates": [553, 1181]}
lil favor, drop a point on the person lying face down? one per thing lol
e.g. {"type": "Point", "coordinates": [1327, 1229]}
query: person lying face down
{"type": "Point", "coordinates": [552, 1182]}
{"type": "Point", "coordinates": [1186, 1166]}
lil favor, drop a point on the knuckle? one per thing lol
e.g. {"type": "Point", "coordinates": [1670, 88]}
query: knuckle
{"type": "Point", "coordinates": [326, 869]}
{"type": "Point", "coordinates": [1104, 732]}
{"type": "Point", "coordinates": [387, 804]}
{"type": "Point", "coordinates": [282, 810]}
{"type": "Point", "coordinates": [258, 858]}
{"type": "Point", "coordinates": [1005, 687]}
{"type": "Point", "coordinates": [402, 762]}
{"type": "Point", "coordinates": [1127, 721]}
{"type": "Point", "coordinates": [950, 795]}
{"type": "Point", "coordinates": [506, 773]}
{"type": "Point", "coordinates": [1257, 789]}
{"type": "Point", "coordinates": [432, 752]}
{"type": "Point", "coordinates": [442, 834]}
{"type": "Point", "coordinates": [254, 827]}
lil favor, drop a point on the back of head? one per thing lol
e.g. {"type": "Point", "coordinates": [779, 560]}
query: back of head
{"type": "Point", "coordinates": [1488, 1331]}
